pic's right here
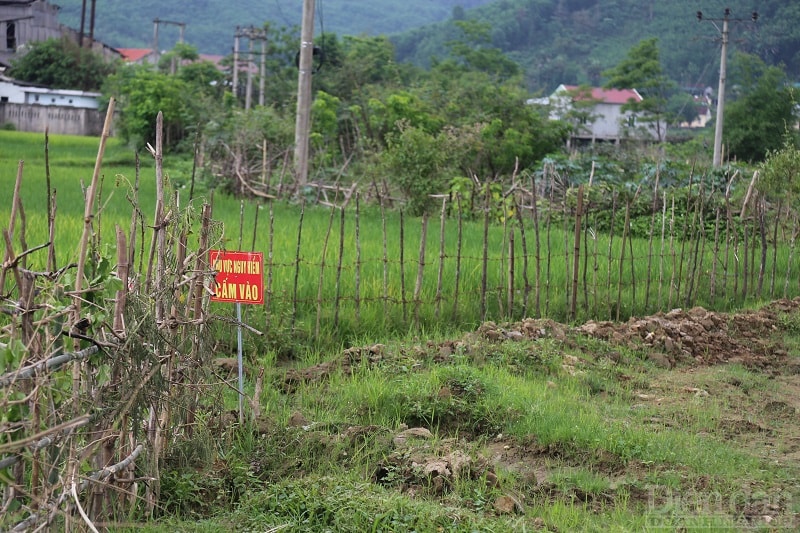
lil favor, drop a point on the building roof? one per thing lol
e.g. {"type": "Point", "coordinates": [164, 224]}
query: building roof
{"type": "Point", "coordinates": [44, 89]}
{"type": "Point", "coordinates": [609, 96]}
{"type": "Point", "coordinates": [134, 54]}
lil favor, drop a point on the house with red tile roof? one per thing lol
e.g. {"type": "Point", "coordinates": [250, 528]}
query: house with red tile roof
{"type": "Point", "coordinates": [138, 55]}
{"type": "Point", "coordinates": [598, 115]}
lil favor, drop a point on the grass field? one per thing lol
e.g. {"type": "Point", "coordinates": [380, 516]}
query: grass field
{"type": "Point", "coordinates": [684, 421]}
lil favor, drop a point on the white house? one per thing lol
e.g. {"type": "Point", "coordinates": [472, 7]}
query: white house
{"type": "Point", "coordinates": [597, 114]}
{"type": "Point", "coordinates": [18, 92]}
{"type": "Point", "coordinates": [29, 107]}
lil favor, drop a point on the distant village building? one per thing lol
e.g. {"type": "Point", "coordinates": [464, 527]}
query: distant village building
{"type": "Point", "coordinates": [702, 108]}
{"type": "Point", "coordinates": [23, 22]}
{"type": "Point", "coordinates": [19, 92]}
{"type": "Point", "coordinates": [31, 107]}
{"type": "Point", "coordinates": [147, 56]}
{"type": "Point", "coordinates": [138, 56]}
{"type": "Point", "coordinates": [598, 114]}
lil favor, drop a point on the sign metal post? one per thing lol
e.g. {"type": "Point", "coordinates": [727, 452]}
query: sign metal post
{"type": "Point", "coordinates": [239, 279]}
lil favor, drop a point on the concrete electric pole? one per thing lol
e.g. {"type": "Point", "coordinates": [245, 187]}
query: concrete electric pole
{"type": "Point", "coordinates": [303, 123]}
{"type": "Point", "coordinates": [722, 78]}
{"type": "Point", "coordinates": [156, 22]}
{"type": "Point", "coordinates": [252, 35]}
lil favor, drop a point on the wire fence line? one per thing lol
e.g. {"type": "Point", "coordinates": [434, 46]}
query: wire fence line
{"type": "Point", "coordinates": [573, 256]}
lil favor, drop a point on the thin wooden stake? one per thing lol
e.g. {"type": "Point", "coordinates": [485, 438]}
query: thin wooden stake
{"type": "Point", "coordinates": [403, 268]}
{"type": "Point", "coordinates": [672, 252]}
{"type": "Point", "coordinates": [789, 262]}
{"type": "Point", "coordinates": [322, 271]}
{"type": "Point", "coordinates": [775, 250]}
{"type": "Point", "coordinates": [715, 255]}
{"type": "Point", "coordinates": [576, 260]}
{"type": "Point", "coordinates": [385, 263]}
{"type": "Point", "coordinates": [297, 265]}
{"type": "Point", "coordinates": [339, 269]}
{"type": "Point", "coordinates": [762, 224]}
{"type": "Point", "coordinates": [650, 240]}
{"type": "Point", "coordinates": [440, 273]}
{"type": "Point", "coordinates": [270, 266]}
{"type": "Point", "coordinates": [510, 286]}
{"type": "Point", "coordinates": [420, 268]}
{"type": "Point", "coordinates": [524, 243]}
{"type": "Point", "coordinates": [661, 254]}
{"type": "Point", "coordinates": [610, 250]}
{"type": "Point", "coordinates": [51, 208]}
{"type": "Point", "coordinates": [538, 252]}
{"type": "Point", "coordinates": [459, 244]}
{"type": "Point", "coordinates": [485, 253]}
{"type": "Point", "coordinates": [358, 260]}
{"type": "Point", "coordinates": [622, 256]}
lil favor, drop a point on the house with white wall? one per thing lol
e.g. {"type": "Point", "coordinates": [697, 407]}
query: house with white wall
{"type": "Point", "coordinates": [18, 92]}
{"type": "Point", "coordinates": [30, 107]}
{"type": "Point", "coordinates": [597, 114]}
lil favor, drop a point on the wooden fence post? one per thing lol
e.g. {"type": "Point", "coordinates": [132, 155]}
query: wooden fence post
{"type": "Point", "coordinates": [297, 265]}
{"type": "Point", "coordinates": [420, 267]}
{"type": "Point", "coordinates": [322, 272]}
{"type": "Point", "coordinates": [339, 268]}
{"type": "Point", "coordinates": [459, 244]}
{"type": "Point", "coordinates": [403, 268]}
{"type": "Point", "coordinates": [485, 253]}
{"type": "Point", "coordinates": [440, 273]}
{"type": "Point", "coordinates": [524, 243]}
{"type": "Point", "coordinates": [576, 260]}
{"type": "Point", "coordinates": [538, 256]}
{"type": "Point", "coordinates": [358, 260]}
{"type": "Point", "coordinates": [510, 285]}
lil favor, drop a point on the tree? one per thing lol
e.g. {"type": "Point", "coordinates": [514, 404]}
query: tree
{"type": "Point", "coordinates": [417, 164]}
{"type": "Point", "coordinates": [763, 112]}
{"type": "Point", "coordinates": [780, 173]}
{"type": "Point", "coordinates": [475, 52]}
{"type": "Point", "coordinates": [141, 93]}
{"type": "Point", "coordinates": [641, 70]}
{"type": "Point", "coordinates": [62, 64]}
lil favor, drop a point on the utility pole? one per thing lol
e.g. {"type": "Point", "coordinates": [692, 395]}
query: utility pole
{"type": "Point", "coordinates": [302, 126]}
{"type": "Point", "coordinates": [253, 35]}
{"type": "Point", "coordinates": [83, 23]}
{"type": "Point", "coordinates": [156, 22]}
{"type": "Point", "coordinates": [248, 95]}
{"type": "Point", "coordinates": [263, 70]}
{"type": "Point", "coordinates": [236, 63]}
{"type": "Point", "coordinates": [722, 78]}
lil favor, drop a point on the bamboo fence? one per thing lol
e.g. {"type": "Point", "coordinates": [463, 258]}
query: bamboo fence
{"type": "Point", "coordinates": [719, 254]}
{"type": "Point", "coordinates": [102, 371]}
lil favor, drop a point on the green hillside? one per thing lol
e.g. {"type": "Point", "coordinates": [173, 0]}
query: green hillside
{"type": "Point", "coordinates": [210, 24]}
{"type": "Point", "coordinates": [574, 41]}
{"type": "Point", "coordinates": [555, 41]}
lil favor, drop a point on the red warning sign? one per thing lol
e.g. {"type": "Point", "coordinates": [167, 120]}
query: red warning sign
{"type": "Point", "coordinates": [239, 276]}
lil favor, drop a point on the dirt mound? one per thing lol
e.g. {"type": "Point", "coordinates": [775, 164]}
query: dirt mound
{"type": "Point", "coordinates": [695, 336]}
{"type": "Point", "coordinates": [704, 337]}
